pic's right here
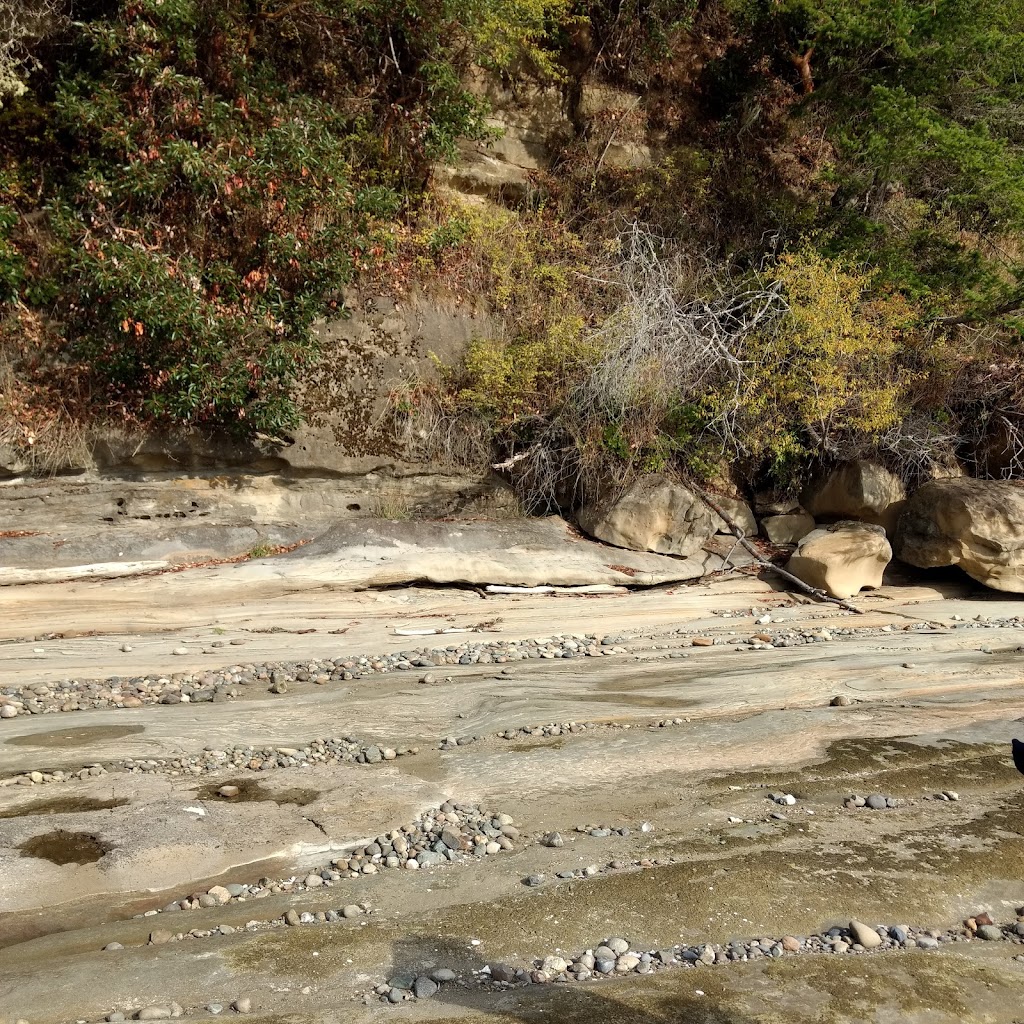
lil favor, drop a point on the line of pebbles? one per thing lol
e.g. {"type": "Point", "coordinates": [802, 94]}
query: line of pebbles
{"type": "Point", "coordinates": [549, 729]}
{"type": "Point", "coordinates": [449, 834]}
{"type": "Point", "coordinates": [615, 956]}
{"type": "Point", "coordinates": [770, 639]}
{"type": "Point", "coordinates": [336, 750]}
{"type": "Point", "coordinates": [224, 684]}
{"type": "Point", "coordinates": [218, 895]}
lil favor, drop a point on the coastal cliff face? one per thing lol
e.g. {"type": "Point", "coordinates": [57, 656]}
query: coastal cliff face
{"type": "Point", "coordinates": [588, 246]}
{"type": "Point", "coordinates": [390, 335]}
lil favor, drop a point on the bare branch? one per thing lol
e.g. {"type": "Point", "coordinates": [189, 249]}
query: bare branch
{"type": "Point", "coordinates": [819, 595]}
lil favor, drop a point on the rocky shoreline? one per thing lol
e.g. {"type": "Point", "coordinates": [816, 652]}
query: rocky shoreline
{"type": "Point", "coordinates": [229, 683]}
{"type": "Point", "coordinates": [616, 956]}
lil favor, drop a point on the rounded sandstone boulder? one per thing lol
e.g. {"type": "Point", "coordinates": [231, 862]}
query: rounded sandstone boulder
{"type": "Point", "coordinates": [653, 514]}
{"type": "Point", "coordinates": [790, 528]}
{"type": "Point", "coordinates": [858, 490]}
{"type": "Point", "coordinates": [976, 524]}
{"type": "Point", "coordinates": [842, 559]}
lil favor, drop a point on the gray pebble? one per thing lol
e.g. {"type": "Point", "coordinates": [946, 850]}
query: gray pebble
{"type": "Point", "coordinates": [502, 972]}
{"type": "Point", "coordinates": [424, 988]}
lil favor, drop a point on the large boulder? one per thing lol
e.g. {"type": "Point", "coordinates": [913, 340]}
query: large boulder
{"type": "Point", "coordinates": [842, 559]}
{"type": "Point", "coordinates": [976, 524]}
{"type": "Point", "coordinates": [859, 490]}
{"type": "Point", "coordinates": [739, 512]}
{"type": "Point", "coordinates": [790, 528]}
{"type": "Point", "coordinates": [652, 514]}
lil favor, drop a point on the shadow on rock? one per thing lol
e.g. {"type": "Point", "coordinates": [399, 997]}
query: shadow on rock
{"type": "Point", "coordinates": [440, 973]}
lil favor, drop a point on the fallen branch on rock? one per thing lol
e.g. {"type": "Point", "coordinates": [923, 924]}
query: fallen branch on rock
{"type": "Point", "coordinates": [741, 539]}
{"type": "Point", "coordinates": [480, 627]}
{"type": "Point", "coordinates": [510, 462]}
{"type": "Point", "coordinates": [587, 589]}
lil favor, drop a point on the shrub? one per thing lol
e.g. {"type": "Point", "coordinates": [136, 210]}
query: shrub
{"type": "Point", "coordinates": [831, 376]}
{"type": "Point", "coordinates": [534, 276]}
{"type": "Point", "coordinates": [214, 171]}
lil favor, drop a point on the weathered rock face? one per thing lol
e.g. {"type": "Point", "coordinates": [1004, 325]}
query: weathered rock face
{"type": "Point", "coordinates": [739, 512]}
{"type": "Point", "coordinates": [859, 490]}
{"type": "Point", "coordinates": [213, 507]}
{"type": "Point", "coordinates": [532, 122]}
{"type": "Point", "coordinates": [787, 529]}
{"type": "Point", "coordinates": [842, 559]}
{"type": "Point", "coordinates": [534, 125]}
{"type": "Point", "coordinates": [976, 524]}
{"type": "Point", "coordinates": [653, 514]}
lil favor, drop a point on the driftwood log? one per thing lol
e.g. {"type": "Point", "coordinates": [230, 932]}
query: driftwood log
{"type": "Point", "coordinates": [737, 532]}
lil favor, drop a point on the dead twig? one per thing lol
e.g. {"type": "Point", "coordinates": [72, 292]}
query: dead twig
{"type": "Point", "coordinates": [513, 460]}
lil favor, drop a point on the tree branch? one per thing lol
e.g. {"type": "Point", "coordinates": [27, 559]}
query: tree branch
{"type": "Point", "coordinates": [803, 65]}
{"type": "Point", "coordinates": [510, 462]}
{"type": "Point", "coordinates": [737, 531]}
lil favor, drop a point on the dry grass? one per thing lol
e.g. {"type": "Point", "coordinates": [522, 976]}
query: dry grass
{"type": "Point", "coordinates": [391, 504]}
{"type": "Point", "coordinates": [44, 440]}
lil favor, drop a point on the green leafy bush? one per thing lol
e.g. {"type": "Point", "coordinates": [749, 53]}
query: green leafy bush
{"type": "Point", "coordinates": [214, 171]}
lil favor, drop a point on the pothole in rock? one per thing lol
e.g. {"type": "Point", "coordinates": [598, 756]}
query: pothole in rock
{"type": "Point", "coordinates": [62, 847]}
{"type": "Point", "coordinates": [250, 791]}
{"type": "Point", "coordinates": [64, 738]}
{"type": "Point", "coordinates": [64, 805]}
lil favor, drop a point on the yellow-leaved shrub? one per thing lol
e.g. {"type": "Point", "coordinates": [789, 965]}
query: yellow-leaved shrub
{"type": "Point", "coordinates": [834, 371]}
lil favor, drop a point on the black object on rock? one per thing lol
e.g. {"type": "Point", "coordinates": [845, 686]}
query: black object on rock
{"type": "Point", "coordinates": [1018, 755]}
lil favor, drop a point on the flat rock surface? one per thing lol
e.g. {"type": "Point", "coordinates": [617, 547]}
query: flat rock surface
{"type": "Point", "coordinates": [932, 698]}
{"type": "Point", "coordinates": [356, 554]}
